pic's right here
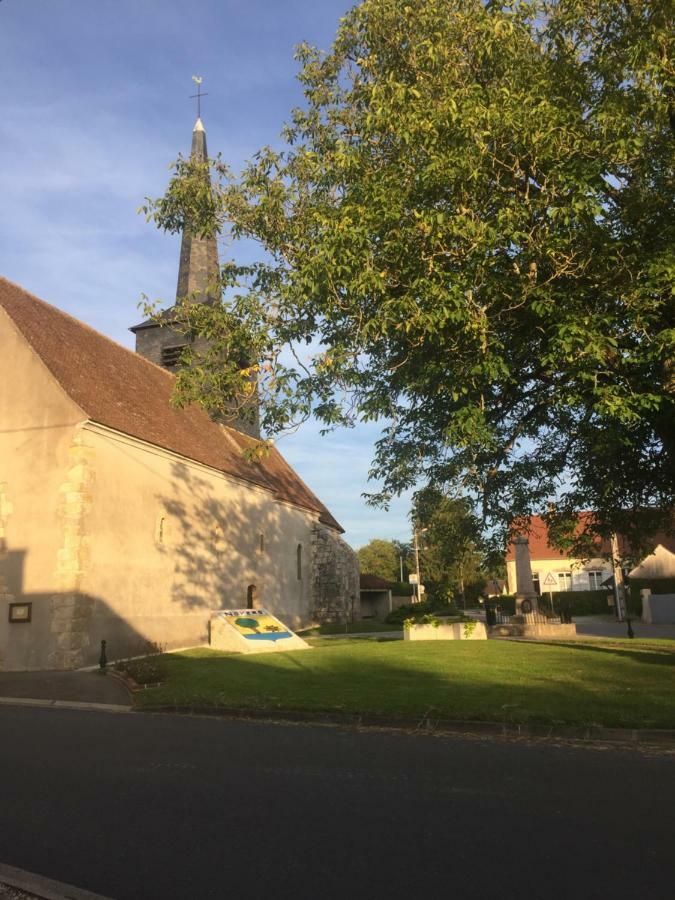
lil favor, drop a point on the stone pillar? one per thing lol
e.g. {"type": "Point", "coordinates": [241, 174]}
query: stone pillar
{"type": "Point", "coordinates": [524, 584]}
{"type": "Point", "coordinates": [71, 610]}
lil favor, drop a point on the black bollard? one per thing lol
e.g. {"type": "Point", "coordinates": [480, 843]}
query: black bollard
{"type": "Point", "coordinates": [103, 659]}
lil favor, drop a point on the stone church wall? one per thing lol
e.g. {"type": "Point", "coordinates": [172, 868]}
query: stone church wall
{"type": "Point", "coordinates": [335, 578]}
{"type": "Point", "coordinates": [39, 535]}
{"type": "Point", "coordinates": [111, 539]}
{"type": "Point", "coordinates": [170, 541]}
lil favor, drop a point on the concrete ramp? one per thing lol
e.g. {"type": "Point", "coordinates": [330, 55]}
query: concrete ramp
{"type": "Point", "coordinates": [252, 631]}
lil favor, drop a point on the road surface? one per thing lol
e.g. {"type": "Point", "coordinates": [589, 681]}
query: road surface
{"type": "Point", "coordinates": [150, 806]}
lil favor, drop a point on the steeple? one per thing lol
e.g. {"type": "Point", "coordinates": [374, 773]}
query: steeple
{"type": "Point", "coordinates": [197, 271]}
{"type": "Point", "coordinates": [198, 266]}
{"type": "Point", "coordinates": [158, 339]}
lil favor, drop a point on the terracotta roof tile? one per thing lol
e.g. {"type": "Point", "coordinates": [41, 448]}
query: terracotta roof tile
{"type": "Point", "coordinates": [121, 390]}
{"type": "Point", "coordinates": [541, 549]}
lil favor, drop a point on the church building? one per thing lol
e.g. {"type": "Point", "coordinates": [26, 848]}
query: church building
{"type": "Point", "coordinates": [126, 519]}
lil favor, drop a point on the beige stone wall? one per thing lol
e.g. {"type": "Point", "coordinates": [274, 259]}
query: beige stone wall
{"type": "Point", "coordinates": [170, 541]}
{"type": "Point", "coordinates": [38, 428]}
{"type": "Point", "coordinates": [111, 539]}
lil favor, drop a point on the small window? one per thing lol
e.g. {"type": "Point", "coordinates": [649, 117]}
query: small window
{"type": "Point", "coordinates": [595, 580]}
{"type": "Point", "coordinates": [261, 543]}
{"type": "Point", "coordinates": [171, 356]}
{"type": "Point", "coordinates": [251, 596]}
{"type": "Point", "coordinates": [564, 581]}
{"type": "Point", "coordinates": [298, 560]}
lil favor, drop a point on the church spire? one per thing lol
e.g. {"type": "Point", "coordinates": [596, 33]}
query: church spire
{"type": "Point", "coordinates": [161, 339]}
{"type": "Point", "coordinates": [198, 267]}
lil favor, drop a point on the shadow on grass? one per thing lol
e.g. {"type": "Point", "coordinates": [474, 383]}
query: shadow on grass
{"type": "Point", "coordinates": [658, 655]}
{"type": "Point", "coordinates": [508, 682]}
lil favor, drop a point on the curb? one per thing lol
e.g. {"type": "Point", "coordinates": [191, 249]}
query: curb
{"type": "Point", "coordinates": [63, 704]}
{"type": "Point", "coordinates": [45, 888]}
{"type": "Point", "coordinates": [427, 724]}
{"type": "Point", "coordinates": [126, 680]}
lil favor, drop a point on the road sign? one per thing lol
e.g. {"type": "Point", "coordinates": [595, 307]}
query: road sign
{"type": "Point", "coordinates": [412, 579]}
{"type": "Point", "coordinates": [550, 579]}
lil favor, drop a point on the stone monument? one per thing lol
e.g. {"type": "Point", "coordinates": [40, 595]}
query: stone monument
{"type": "Point", "coordinates": [526, 596]}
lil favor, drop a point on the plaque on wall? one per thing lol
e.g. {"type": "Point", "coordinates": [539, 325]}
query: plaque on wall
{"type": "Point", "coordinates": [20, 612]}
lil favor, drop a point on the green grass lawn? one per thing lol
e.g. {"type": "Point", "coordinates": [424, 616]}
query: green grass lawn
{"type": "Point", "coordinates": [364, 626]}
{"type": "Point", "coordinates": [614, 683]}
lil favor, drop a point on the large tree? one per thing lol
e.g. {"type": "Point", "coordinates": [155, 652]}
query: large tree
{"type": "Point", "coordinates": [450, 543]}
{"type": "Point", "coordinates": [468, 236]}
{"type": "Point", "coordinates": [383, 558]}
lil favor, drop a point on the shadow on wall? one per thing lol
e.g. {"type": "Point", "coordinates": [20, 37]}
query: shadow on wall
{"type": "Point", "coordinates": [60, 629]}
{"type": "Point", "coordinates": [222, 549]}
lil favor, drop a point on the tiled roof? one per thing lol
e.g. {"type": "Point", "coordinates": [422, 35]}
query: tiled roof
{"type": "Point", "coordinates": [123, 391]}
{"type": "Point", "coordinates": [541, 549]}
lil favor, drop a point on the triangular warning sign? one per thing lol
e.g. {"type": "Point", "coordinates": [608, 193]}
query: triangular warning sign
{"type": "Point", "coordinates": [550, 579]}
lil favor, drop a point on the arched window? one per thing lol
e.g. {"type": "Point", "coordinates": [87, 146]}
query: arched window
{"type": "Point", "coordinates": [251, 596]}
{"type": "Point", "coordinates": [261, 543]}
{"type": "Point", "coordinates": [298, 561]}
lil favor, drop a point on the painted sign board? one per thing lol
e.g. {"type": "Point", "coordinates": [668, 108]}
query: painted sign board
{"type": "Point", "coordinates": [251, 631]}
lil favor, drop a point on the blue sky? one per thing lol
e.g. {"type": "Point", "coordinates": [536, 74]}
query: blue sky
{"type": "Point", "coordinates": [94, 101]}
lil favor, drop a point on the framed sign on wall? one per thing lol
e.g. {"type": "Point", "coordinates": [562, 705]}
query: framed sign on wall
{"type": "Point", "coordinates": [20, 612]}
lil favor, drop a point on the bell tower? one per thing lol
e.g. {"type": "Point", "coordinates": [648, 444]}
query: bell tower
{"type": "Point", "coordinates": [198, 271]}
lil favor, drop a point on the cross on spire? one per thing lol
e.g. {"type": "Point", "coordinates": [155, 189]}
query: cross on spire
{"type": "Point", "coordinates": [198, 81]}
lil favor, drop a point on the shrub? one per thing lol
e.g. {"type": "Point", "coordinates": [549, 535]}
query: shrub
{"type": "Point", "coordinates": [416, 611]}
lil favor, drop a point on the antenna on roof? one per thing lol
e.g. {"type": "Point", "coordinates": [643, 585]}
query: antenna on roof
{"type": "Point", "coordinates": [198, 81]}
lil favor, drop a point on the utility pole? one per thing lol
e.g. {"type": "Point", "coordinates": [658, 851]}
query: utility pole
{"type": "Point", "coordinates": [417, 560]}
{"type": "Point", "coordinates": [619, 592]}
{"type": "Point", "coordinates": [417, 563]}
{"type": "Point", "coordinates": [620, 597]}
{"type": "Point", "coordinates": [400, 559]}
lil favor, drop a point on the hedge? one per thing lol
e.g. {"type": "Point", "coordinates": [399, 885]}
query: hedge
{"type": "Point", "coordinates": [402, 589]}
{"type": "Point", "coordinates": [578, 603]}
{"type": "Point", "coordinates": [417, 610]}
{"type": "Point", "coordinates": [581, 603]}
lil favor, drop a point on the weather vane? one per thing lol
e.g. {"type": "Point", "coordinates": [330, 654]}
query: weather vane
{"type": "Point", "coordinates": [198, 81]}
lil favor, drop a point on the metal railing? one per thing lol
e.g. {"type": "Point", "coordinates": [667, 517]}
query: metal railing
{"type": "Point", "coordinates": [494, 615]}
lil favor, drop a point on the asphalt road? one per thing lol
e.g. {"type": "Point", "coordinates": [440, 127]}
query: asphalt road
{"type": "Point", "coordinates": [143, 806]}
